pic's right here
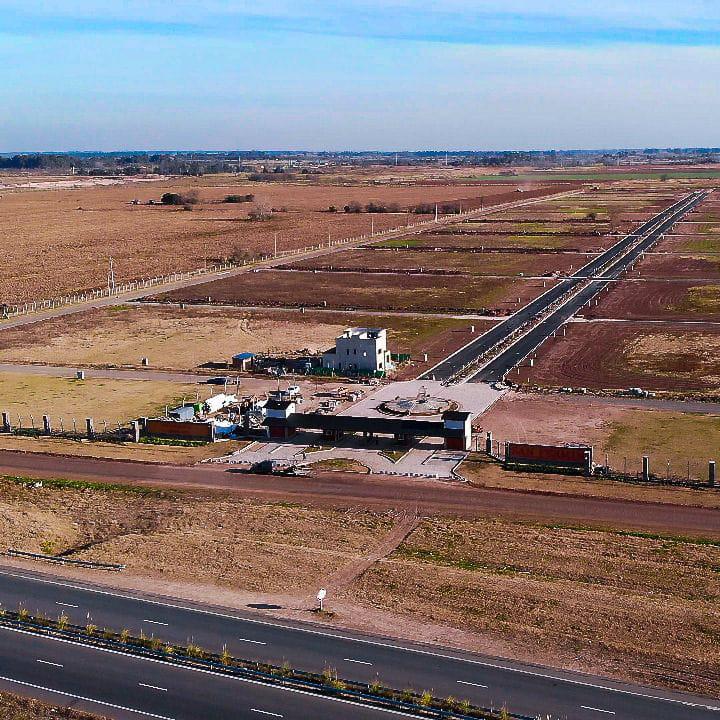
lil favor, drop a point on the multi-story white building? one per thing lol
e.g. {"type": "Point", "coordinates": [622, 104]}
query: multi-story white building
{"type": "Point", "coordinates": [359, 350]}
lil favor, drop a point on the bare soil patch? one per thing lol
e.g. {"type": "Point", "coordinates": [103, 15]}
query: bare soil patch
{"type": "Point", "coordinates": [658, 300]}
{"type": "Point", "coordinates": [619, 434]}
{"type": "Point", "coordinates": [15, 707]}
{"type": "Point", "coordinates": [600, 355]}
{"type": "Point", "coordinates": [680, 266]}
{"type": "Point", "coordinates": [363, 291]}
{"type": "Point", "coordinates": [473, 263]}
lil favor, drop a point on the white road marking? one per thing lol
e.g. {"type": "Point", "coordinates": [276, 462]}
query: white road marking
{"type": "Point", "coordinates": [67, 605]}
{"type": "Point", "coordinates": [84, 699]}
{"type": "Point", "coordinates": [156, 622]}
{"type": "Point", "coordinates": [265, 712]}
{"type": "Point", "coordinates": [373, 643]}
{"type": "Point", "coordinates": [47, 662]}
{"type": "Point", "coordinates": [465, 682]}
{"type": "Point", "coordinates": [202, 671]}
{"type": "Point", "coordinates": [358, 662]}
{"type": "Point", "coordinates": [600, 710]}
{"type": "Point", "coordinates": [254, 642]}
{"type": "Point", "coordinates": [152, 687]}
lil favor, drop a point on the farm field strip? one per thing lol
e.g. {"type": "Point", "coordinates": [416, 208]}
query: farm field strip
{"type": "Point", "coordinates": [402, 231]}
{"type": "Point", "coordinates": [626, 249]}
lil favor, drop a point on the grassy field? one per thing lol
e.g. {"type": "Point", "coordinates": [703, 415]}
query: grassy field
{"type": "Point", "coordinates": [178, 339]}
{"type": "Point", "coordinates": [634, 605]}
{"type": "Point", "coordinates": [109, 400]}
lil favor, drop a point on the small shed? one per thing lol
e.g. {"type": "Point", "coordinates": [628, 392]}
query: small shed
{"type": "Point", "coordinates": [243, 361]}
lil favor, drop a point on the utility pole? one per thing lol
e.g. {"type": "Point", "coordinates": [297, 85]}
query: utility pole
{"type": "Point", "coordinates": [436, 212]}
{"type": "Point", "coordinates": [111, 277]}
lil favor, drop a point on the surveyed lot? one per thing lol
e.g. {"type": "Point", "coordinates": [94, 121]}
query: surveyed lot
{"type": "Point", "coordinates": [432, 261]}
{"type": "Point", "coordinates": [61, 240]}
{"type": "Point", "coordinates": [363, 291]}
{"type": "Point", "coordinates": [607, 355]}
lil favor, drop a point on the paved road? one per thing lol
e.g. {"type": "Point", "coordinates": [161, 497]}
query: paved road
{"type": "Point", "coordinates": [524, 689]}
{"type": "Point", "coordinates": [498, 367]}
{"type": "Point", "coordinates": [653, 227]}
{"type": "Point", "coordinates": [380, 492]}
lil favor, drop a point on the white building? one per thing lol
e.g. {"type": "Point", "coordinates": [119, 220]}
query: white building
{"type": "Point", "coordinates": [359, 350]}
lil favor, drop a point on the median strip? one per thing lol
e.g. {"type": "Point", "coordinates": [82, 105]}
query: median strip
{"type": "Point", "coordinates": [327, 684]}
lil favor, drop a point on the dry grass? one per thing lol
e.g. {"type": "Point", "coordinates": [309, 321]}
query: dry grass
{"type": "Point", "coordinates": [632, 605]}
{"type": "Point", "coordinates": [199, 539]}
{"type": "Point", "coordinates": [71, 234]}
{"type": "Point", "coordinates": [109, 400]}
{"type": "Point", "coordinates": [184, 339]}
{"type": "Point", "coordinates": [142, 452]}
{"type": "Point", "coordinates": [15, 707]}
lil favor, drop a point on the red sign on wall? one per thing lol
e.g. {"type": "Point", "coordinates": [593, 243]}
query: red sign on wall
{"type": "Point", "coordinates": [551, 454]}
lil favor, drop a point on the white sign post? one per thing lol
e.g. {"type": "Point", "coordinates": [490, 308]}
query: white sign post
{"type": "Point", "coordinates": [322, 594]}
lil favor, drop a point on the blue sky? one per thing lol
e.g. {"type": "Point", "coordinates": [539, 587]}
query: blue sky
{"type": "Point", "coordinates": [361, 74]}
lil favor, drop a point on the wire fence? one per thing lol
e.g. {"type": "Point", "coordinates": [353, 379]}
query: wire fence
{"type": "Point", "coordinates": [142, 284]}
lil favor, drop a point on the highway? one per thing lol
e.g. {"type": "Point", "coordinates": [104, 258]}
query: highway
{"type": "Point", "coordinates": [653, 228]}
{"type": "Point", "coordinates": [132, 687]}
{"type": "Point", "coordinates": [498, 367]}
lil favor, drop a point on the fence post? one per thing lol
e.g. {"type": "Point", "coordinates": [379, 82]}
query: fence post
{"type": "Point", "coordinates": [90, 430]}
{"type": "Point", "coordinates": [711, 473]}
{"type": "Point", "coordinates": [646, 468]}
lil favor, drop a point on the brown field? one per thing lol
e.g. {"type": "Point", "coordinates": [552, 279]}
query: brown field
{"type": "Point", "coordinates": [658, 300]}
{"type": "Point", "coordinates": [61, 240]}
{"type": "Point", "coordinates": [620, 434]}
{"type": "Point", "coordinates": [680, 265]}
{"type": "Point", "coordinates": [363, 291]}
{"type": "Point", "coordinates": [184, 339]}
{"type": "Point", "coordinates": [603, 355]}
{"type": "Point", "coordinates": [104, 400]}
{"type": "Point", "coordinates": [634, 606]}
{"type": "Point", "coordinates": [190, 538]}
{"type": "Point", "coordinates": [504, 587]}
{"type": "Point", "coordinates": [400, 260]}
{"type": "Point", "coordinates": [451, 239]}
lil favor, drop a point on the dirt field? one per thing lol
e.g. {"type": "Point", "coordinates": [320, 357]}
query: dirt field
{"type": "Point", "coordinates": [680, 265]}
{"type": "Point", "coordinates": [364, 291]}
{"type": "Point", "coordinates": [184, 339]}
{"type": "Point", "coordinates": [71, 234]}
{"type": "Point", "coordinates": [452, 239]}
{"type": "Point", "coordinates": [619, 434]}
{"type": "Point", "coordinates": [658, 300]}
{"type": "Point", "coordinates": [104, 400]}
{"type": "Point", "coordinates": [540, 588]}
{"type": "Point", "coordinates": [474, 263]}
{"type": "Point", "coordinates": [675, 358]}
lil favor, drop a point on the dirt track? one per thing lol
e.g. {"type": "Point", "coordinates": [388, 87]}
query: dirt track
{"type": "Point", "coordinates": [381, 492]}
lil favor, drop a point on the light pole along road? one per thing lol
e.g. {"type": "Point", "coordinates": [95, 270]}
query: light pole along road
{"type": "Point", "coordinates": [608, 264]}
{"type": "Point", "coordinates": [122, 686]}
